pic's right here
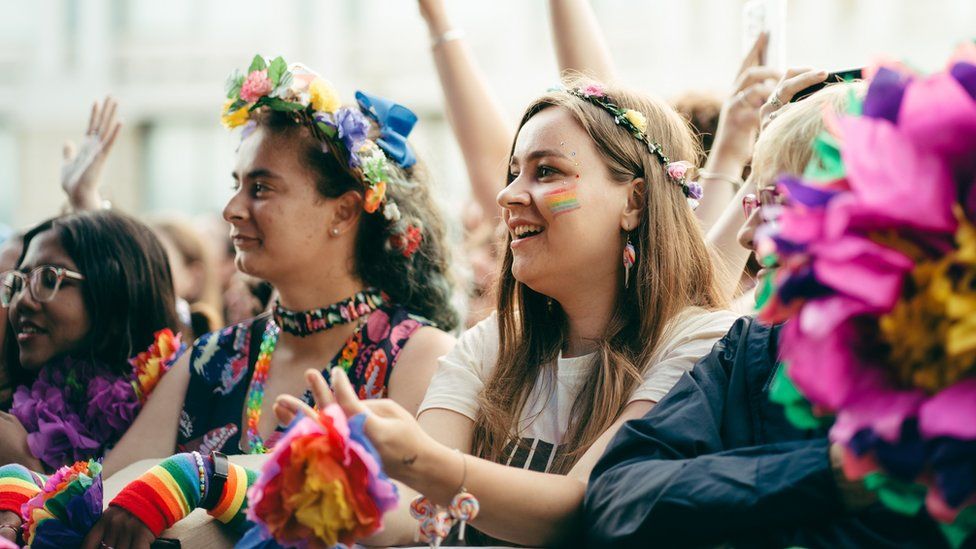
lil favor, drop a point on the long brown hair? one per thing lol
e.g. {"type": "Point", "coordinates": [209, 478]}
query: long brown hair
{"type": "Point", "coordinates": [673, 271]}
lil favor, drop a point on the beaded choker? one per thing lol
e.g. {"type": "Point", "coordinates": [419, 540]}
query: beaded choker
{"type": "Point", "coordinates": [306, 323]}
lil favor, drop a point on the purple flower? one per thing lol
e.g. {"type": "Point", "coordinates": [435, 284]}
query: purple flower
{"type": "Point", "coordinates": [695, 191]}
{"type": "Point", "coordinates": [112, 407]}
{"type": "Point", "coordinates": [353, 127]}
{"type": "Point", "coordinates": [60, 441]}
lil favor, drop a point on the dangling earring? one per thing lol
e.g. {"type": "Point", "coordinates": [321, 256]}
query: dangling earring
{"type": "Point", "coordinates": [630, 257]}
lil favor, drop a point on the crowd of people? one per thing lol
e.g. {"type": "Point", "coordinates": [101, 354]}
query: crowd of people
{"type": "Point", "coordinates": [586, 363]}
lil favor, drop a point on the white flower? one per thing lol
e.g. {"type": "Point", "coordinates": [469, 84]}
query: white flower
{"type": "Point", "coordinates": [391, 212]}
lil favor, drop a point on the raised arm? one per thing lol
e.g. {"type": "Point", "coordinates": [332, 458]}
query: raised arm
{"type": "Point", "coordinates": [479, 123]}
{"type": "Point", "coordinates": [579, 40]}
{"type": "Point", "coordinates": [81, 167]}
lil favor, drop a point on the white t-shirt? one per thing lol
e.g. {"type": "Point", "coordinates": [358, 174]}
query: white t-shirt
{"type": "Point", "coordinates": [463, 372]}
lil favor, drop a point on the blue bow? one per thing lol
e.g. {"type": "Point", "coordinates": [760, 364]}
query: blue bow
{"type": "Point", "coordinates": [395, 122]}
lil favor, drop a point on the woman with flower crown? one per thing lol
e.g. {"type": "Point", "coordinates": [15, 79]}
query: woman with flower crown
{"type": "Point", "coordinates": [331, 207]}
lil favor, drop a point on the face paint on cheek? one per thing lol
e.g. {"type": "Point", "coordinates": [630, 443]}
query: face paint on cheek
{"type": "Point", "coordinates": [562, 200]}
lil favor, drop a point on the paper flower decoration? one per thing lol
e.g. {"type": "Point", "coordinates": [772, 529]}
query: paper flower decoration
{"type": "Point", "coordinates": [877, 255]}
{"type": "Point", "coordinates": [67, 507]}
{"type": "Point", "coordinates": [323, 485]}
{"type": "Point", "coordinates": [149, 366]}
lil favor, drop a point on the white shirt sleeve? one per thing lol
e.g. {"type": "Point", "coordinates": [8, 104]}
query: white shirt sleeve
{"type": "Point", "coordinates": [462, 373]}
{"type": "Point", "coordinates": [691, 336]}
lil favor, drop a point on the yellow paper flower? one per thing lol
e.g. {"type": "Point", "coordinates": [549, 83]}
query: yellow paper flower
{"type": "Point", "coordinates": [323, 96]}
{"type": "Point", "coordinates": [233, 119]}
{"type": "Point", "coordinates": [637, 118]}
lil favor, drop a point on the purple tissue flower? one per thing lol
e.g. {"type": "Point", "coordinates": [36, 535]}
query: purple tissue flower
{"type": "Point", "coordinates": [695, 191]}
{"type": "Point", "coordinates": [353, 127]}
{"type": "Point", "coordinates": [112, 407]}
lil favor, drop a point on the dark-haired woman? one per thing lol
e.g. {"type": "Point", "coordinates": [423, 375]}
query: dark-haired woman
{"type": "Point", "coordinates": [90, 291]}
{"type": "Point", "coordinates": [339, 218]}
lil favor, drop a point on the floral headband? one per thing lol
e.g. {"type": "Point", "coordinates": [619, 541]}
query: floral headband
{"type": "Point", "coordinates": [635, 122]}
{"type": "Point", "coordinates": [313, 102]}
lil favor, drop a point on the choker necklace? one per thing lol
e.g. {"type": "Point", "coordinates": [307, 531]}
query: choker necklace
{"type": "Point", "coordinates": [306, 323]}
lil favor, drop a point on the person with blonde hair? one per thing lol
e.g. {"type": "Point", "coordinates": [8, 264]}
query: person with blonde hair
{"type": "Point", "coordinates": [607, 296]}
{"type": "Point", "coordinates": [717, 461]}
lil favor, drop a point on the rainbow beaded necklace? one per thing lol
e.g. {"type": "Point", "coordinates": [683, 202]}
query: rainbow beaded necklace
{"type": "Point", "coordinates": [351, 309]}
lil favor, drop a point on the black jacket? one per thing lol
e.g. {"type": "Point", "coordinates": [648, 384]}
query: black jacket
{"type": "Point", "coordinates": [716, 462]}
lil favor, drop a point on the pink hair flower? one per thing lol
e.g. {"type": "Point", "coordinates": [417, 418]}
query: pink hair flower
{"type": "Point", "coordinates": [256, 85]}
{"type": "Point", "coordinates": [677, 170]}
{"type": "Point", "coordinates": [593, 90]}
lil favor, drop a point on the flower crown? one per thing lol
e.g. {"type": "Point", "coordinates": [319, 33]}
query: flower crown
{"type": "Point", "coordinates": [635, 122]}
{"type": "Point", "coordinates": [313, 102]}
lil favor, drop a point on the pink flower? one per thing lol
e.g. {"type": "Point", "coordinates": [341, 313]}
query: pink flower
{"type": "Point", "coordinates": [256, 85]}
{"type": "Point", "coordinates": [594, 90]}
{"type": "Point", "coordinates": [677, 170]}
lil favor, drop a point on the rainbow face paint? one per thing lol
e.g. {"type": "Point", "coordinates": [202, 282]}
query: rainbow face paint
{"type": "Point", "coordinates": [562, 200]}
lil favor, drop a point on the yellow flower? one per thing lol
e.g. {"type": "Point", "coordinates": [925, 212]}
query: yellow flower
{"type": "Point", "coordinates": [637, 118]}
{"type": "Point", "coordinates": [323, 96]}
{"type": "Point", "coordinates": [233, 119]}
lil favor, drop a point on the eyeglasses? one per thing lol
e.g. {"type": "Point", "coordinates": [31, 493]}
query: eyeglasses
{"type": "Point", "coordinates": [766, 197]}
{"type": "Point", "coordinates": [44, 283]}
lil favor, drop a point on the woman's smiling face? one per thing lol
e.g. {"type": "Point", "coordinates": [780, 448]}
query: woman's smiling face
{"type": "Point", "coordinates": [563, 210]}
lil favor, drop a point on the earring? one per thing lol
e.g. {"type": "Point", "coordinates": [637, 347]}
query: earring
{"type": "Point", "coordinates": [335, 231]}
{"type": "Point", "coordinates": [630, 258]}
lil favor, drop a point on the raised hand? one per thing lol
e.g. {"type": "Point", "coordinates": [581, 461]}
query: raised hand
{"type": "Point", "coordinates": [81, 166]}
{"type": "Point", "coordinates": [792, 82]}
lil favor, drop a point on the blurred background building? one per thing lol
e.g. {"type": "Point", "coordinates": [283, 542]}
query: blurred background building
{"type": "Point", "coordinates": [166, 63]}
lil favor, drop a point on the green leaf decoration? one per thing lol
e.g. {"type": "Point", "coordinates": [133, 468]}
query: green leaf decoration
{"type": "Point", "coordinates": [796, 408]}
{"type": "Point", "coordinates": [257, 64]}
{"type": "Point", "coordinates": [283, 85]}
{"type": "Point", "coordinates": [826, 163]}
{"type": "Point", "coordinates": [240, 103]}
{"type": "Point", "coordinates": [327, 130]}
{"type": "Point", "coordinates": [902, 497]}
{"type": "Point", "coordinates": [278, 104]}
{"type": "Point", "coordinates": [960, 530]}
{"type": "Point", "coordinates": [277, 68]}
{"type": "Point", "coordinates": [233, 84]}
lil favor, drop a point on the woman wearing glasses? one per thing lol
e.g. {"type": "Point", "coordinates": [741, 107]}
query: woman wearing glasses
{"type": "Point", "coordinates": [90, 291]}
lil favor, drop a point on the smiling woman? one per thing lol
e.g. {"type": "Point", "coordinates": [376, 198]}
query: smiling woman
{"type": "Point", "coordinates": [90, 291]}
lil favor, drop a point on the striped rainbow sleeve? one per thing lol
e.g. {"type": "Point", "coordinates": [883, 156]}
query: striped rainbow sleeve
{"type": "Point", "coordinates": [17, 485]}
{"type": "Point", "coordinates": [171, 490]}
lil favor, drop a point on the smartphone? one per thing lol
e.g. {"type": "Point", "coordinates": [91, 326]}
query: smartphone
{"type": "Point", "coordinates": [768, 16]}
{"type": "Point", "coordinates": [833, 77]}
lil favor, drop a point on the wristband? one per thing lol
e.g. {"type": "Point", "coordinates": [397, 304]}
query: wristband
{"type": "Point", "coordinates": [447, 36]}
{"type": "Point", "coordinates": [232, 503]}
{"type": "Point", "coordinates": [165, 494]}
{"type": "Point", "coordinates": [17, 485]}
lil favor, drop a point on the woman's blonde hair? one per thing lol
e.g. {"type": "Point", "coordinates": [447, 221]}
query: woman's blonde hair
{"type": "Point", "coordinates": [784, 146]}
{"type": "Point", "coordinates": [673, 271]}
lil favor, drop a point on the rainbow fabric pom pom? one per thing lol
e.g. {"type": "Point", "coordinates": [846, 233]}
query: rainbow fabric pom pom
{"type": "Point", "coordinates": [323, 485]}
{"type": "Point", "coordinates": [67, 507]}
{"type": "Point", "coordinates": [877, 247]}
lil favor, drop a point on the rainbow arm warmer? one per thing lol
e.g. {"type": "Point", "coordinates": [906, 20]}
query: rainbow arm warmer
{"type": "Point", "coordinates": [171, 490]}
{"type": "Point", "coordinates": [17, 485]}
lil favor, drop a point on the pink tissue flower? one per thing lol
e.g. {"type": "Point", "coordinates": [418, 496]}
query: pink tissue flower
{"type": "Point", "coordinates": [677, 170]}
{"type": "Point", "coordinates": [256, 85]}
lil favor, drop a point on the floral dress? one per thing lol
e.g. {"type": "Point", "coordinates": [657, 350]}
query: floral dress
{"type": "Point", "coordinates": [222, 363]}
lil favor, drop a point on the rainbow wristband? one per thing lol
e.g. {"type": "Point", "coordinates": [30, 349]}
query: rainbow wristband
{"type": "Point", "coordinates": [171, 490]}
{"type": "Point", "coordinates": [17, 485]}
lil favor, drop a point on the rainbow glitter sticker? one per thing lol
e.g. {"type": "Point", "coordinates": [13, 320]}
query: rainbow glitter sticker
{"type": "Point", "coordinates": [562, 200]}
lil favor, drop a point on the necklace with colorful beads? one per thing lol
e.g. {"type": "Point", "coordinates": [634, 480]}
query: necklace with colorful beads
{"type": "Point", "coordinates": [318, 320]}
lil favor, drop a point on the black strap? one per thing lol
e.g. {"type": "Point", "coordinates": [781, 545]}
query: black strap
{"type": "Point", "coordinates": [217, 480]}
